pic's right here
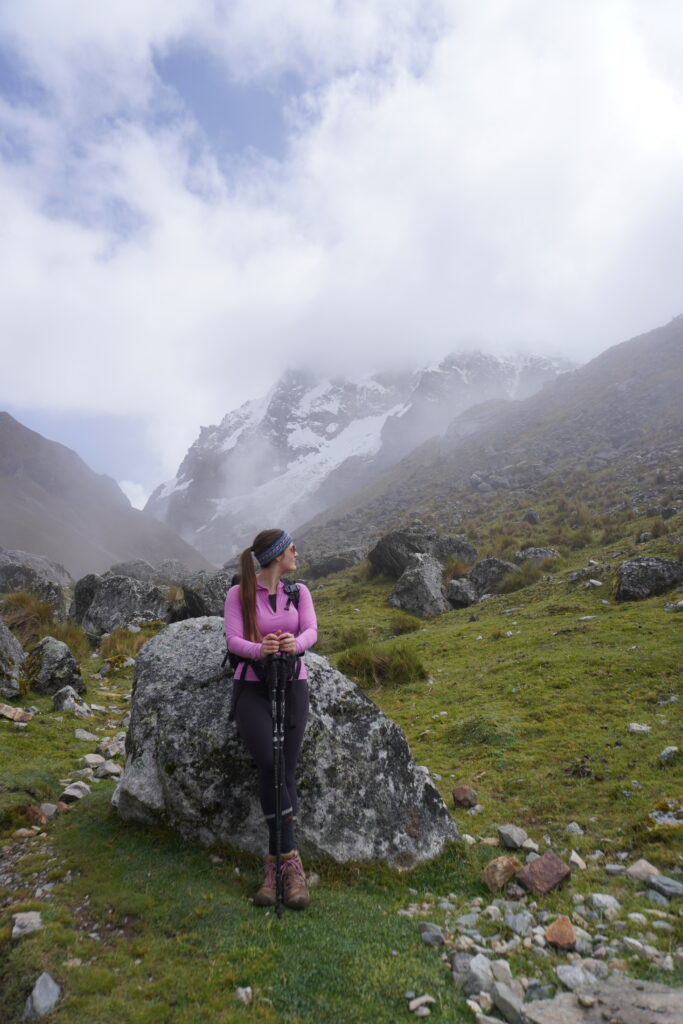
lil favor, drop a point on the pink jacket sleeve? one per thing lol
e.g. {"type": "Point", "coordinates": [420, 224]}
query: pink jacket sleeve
{"type": "Point", "coordinates": [234, 628]}
{"type": "Point", "coordinates": [308, 624]}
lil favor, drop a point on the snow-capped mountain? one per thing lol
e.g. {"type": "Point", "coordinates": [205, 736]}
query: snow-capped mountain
{"type": "Point", "coordinates": [282, 459]}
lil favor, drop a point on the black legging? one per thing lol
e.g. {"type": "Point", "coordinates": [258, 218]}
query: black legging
{"type": "Point", "coordinates": [255, 724]}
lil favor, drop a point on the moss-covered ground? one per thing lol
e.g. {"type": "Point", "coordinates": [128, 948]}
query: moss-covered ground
{"type": "Point", "coordinates": [527, 697]}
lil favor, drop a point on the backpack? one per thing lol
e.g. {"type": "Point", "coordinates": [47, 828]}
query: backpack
{"type": "Point", "coordinates": [291, 589]}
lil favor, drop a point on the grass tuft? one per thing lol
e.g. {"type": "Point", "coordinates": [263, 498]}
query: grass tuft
{"type": "Point", "coordinates": [392, 666]}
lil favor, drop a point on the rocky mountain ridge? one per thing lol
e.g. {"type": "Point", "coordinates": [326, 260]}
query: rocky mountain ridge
{"type": "Point", "coordinates": [620, 412]}
{"type": "Point", "coordinates": [312, 440]}
{"type": "Point", "coordinates": [53, 504]}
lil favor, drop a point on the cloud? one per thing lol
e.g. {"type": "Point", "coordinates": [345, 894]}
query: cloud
{"type": "Point", "coordinates": [506, 175]}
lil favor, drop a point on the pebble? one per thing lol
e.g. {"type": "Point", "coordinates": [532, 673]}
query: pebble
{"type": "Point", "coordinates": [639, 729]}
{"type": "Point", "coordinates": [668, 755]}
{"type": "Point", "coordinates": [574, 828]}
{"type": "Point", "coordinates": [244, 996]}
{"type": "Point", "coordinates": [419, 1001]}
{"type": "Point", "coordinates": [43, 998]}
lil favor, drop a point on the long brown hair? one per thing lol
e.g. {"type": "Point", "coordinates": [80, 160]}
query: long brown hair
{"type": "Point", "coordinates": [261, 543]}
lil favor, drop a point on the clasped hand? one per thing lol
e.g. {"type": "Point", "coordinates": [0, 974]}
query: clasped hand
{"type": "Point", "coordinates": [274, 642]}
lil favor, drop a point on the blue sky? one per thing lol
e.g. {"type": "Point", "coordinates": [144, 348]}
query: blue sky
{"type": "Point", "coordinates": [198, 193]}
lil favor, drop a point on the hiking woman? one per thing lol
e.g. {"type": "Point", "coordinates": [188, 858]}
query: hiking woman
{"type": "Point", "coordinates": [263, 617]}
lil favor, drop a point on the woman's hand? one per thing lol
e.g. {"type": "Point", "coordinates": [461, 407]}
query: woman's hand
{"type": "Point", "coordinates": [287, 643]}
{"type": "Point", "coordinates": [270, 644]}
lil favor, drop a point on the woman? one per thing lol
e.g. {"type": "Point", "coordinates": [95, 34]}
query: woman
{"type": "Point", "coordinates": [263, 617]}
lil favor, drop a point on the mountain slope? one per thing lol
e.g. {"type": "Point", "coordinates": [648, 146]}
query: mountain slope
{"type": "Point", "coordinates": [310, 440]}
{"type": "Point", "coordinates": [53, 504]}
{"type": "Point", "coordinates": [621, 412]}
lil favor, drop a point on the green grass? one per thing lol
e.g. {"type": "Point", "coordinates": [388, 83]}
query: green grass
{"type": "Point", "coordinates": [529, 704]}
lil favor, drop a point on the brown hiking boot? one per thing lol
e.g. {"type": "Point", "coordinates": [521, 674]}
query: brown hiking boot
{"type": "Point", "coordinates": [294, 888]}
{"type": "Point", "coordinates": [265, 897]}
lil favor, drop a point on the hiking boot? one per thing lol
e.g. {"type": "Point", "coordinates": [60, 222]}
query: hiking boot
{"type": "Point", "coordinates": [294, 888]}
{"type": "Point", "coordinates": [265, 897]}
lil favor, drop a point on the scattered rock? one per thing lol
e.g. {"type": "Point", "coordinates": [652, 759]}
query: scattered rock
{"type": "Point", "coordinates": [26, 922]}
{"type": "Point", "coordinates": [573, 976]}
{"type": "Point", "coordinates": [85, 736]}
{"type": "Point", "coordinates": [15, 714]}
{"type": "Point", "coordinates": [461, 593]}
{"type": "Point", "coordinates": [244, 996]}
{"type": "Point", "coordinates": [638, 729]}
{"type": "Point", "coordinates": [641, 870]}
{"type": "Point", "coordinates": [574, 828]}
{"type": "Point", "coordinates": [536, 555]}
{"type": "Point", "coordinates": [665, 886]}
{"type": "Point", "coordinates": [104, 603]}
{"type": "Point", "coordinates": [479, 977]}
{"type": "Point", "coordinates": [391, 555]}
{"type": "Point", "coordinates": [669, 755]}
{"type": "Point", "coordinates": [487, 573]}
{"type": "Point", "coordinates": [419, 1001]}
{"type": "Point", "coordinates": [512, 837]}
{"type": "Point", "coordinates": [76, 791]}
{"type": "Point", "coordinates": [325, 565]}
{"type": "Point", "coordinates": [605, 904]}
{"type": "Point", "coordinates": [431, 933]}
{"type": "Point", "coordinates": [464, 796]}
{"type": "Point", "coordinates": [618, 998]}
{"type": "Point", "coordinates": [507, 1001]}
{"type": "Point", "coordinates": [67, 699]}
{"type": "Point", "coordinates": [43, 998]}
{"type": "Point", "coordinates": [499, 871]}
{"type": "Point", "coordinates": [561, 933]}
{"type": "Point", "coordinates": [575, 861]}
{"type": "Point", "coordinates": [546, 873]}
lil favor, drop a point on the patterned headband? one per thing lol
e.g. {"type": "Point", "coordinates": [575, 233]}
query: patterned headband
{"type": "Point", "coordinates": [280, 545]}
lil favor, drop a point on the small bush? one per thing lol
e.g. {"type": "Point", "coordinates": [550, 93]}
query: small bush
{"type": "Point", "coordinates": [481, 731]}
{"type": "Point", "coordinates": [455, 569]}
{"type": "Point", "coordinates": [658, 528]}
{"type": "Point", "coordinates": [370, 667]}
{"type": "Point", "coordinates": [401, 623]}
{"type": "Point", "coordinates": [580, 538]}
{"type": "Point", "coordinates": [32, 619]}
{"type": "Point", "coordinates": [121, 643]}
{"type": "Point", "coordinates": [527, 573]}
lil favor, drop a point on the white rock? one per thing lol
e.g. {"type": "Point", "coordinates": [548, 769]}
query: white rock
{"type": "Point", "coordinates": [577, 862]}
{"type": "Point", "coordinates": [26, 922]}
{"type": "Point", "coordinates": [244, 996]}
{"type": "Point", "coordinates": [638, 729]}
{"type": "Point", "coordinates": [574, 828]}
{"type": "Point", "coordinates": [43, 998]}
{"type": "Point", "coordinates": [414, 1004]}
{"type": "Point", "coordinates": [668, 754]}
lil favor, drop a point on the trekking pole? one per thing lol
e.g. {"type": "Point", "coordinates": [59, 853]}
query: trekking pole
{"type": "Point", "coordinates": [276, 694]}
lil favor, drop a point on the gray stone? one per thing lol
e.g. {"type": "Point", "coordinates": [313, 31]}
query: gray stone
{"type": "Point", "coordinates": [669, 755]}
{"type": "Point", "coordinates": [461, 593]}
{"type": "Point", "coordinates": [605, 904]}
{"type": "Point", "coordinates": [85, 736]}
{"type": "Point", "coordinates": [43, 998]}
{"type": "Point", "coordinates": [50, 666]}
{"type": "Point", "coordinates": [665, 886]}
{"type": "Point", "coordinates": [431, 933]}
{"type": "Point", "coordinates": [618, 998]}
{"type": "Point", "coordinates": [512, 837]}
{"type": "Point", "coordinates": [489, 572]}
{"type": "Point", "coordinates": [67, 699]}
{"type": "Point", "coordinates": [520, 923]}
{"type": "Point", "coordinates": [324, 565]}
{"type": "Point", "coordinates": [76, 791]}
{"type": "Point", "coordinates": [536, 555]}
{"type": "Point", "coordinates": [574, 828]}
{"type": "Point", "coordinates": [639, 578]}
{"type": "Point", "coordinates": [362, 797]}
{"type": "Point", "coordinates": [479, 976]}
{"type": "Point", "coordinates": [111, 746]}
{"type": "Point", "coordinates": [420, 590]}
{"type": "Point", "coordinates": [392, 554]}
{"type": "Point", "coordinates": [656, 898]}
{"type": "Point", "coordinates": [108, 769]}
{"type": "Point", "coordinates": [574, 977]}
{"type": "Point", "coordinates": [48, 581]}
{"type": "Point", "coordinates": [104, 603]}
{"type": "Point", "coordinates": [507, 1002]}
{"type": "Point", "coordinates": [26, 922]}
{"type": "Point", "coordinates": [11, 661]}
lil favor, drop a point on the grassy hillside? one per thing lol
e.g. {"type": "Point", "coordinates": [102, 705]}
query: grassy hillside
{"type": "Point", "coordinates": [529, 703]}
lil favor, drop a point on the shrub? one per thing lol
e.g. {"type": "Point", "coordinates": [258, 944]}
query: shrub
{"type": "Point", "coordinates": [121, 643]}
{"type": "Point", "coordinates": [401, 623]}
{"type": "Point", "coordinates": [658, 528]}
{"type": "Point", "coordinates": [370, 667]}
{"type": "Point", "coordinates": [454, 569]}
{"type": "Point", "coordinates": [481, 731]}
{"type": "Point", "coordinates": [527, 573]}
{"type": "Point", "coordinates": [32, 619]}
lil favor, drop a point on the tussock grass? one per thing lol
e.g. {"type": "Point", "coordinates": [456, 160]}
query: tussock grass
{"type": "Point", "coordinates": [32, 619]}
{"type": "Point", "coordinates": [121, 643]}
{"type": "Point", "coordinates": [401, 623]}
{"type": "Point", "coordinates": [390, 666]}
{"type": "Point", "coordinates": [527, 573]}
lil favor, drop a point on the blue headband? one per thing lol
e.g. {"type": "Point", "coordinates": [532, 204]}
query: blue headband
{"type": "Point", "coordinates": [280, 545]}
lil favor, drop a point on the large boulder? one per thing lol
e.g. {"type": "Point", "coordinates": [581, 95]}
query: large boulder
{"type": "Point", "coordinates": [392, 554]}
{"type": "Point", "coordinates": [487, 573]}
{"type": "Point", "coordinates": [11, 660]}
{"type": "Point", "coordinates": [136, 569]}
{"type": "Point", "coordinates": [362, 797]}
{"type": "Point", "coordinates": [645, 577]}
{"type": "Point", "coordinates": [420, 590]}
{"type": "Point", "coordinates": [47, 580]}
{"type": "Point", "coordinates": [204, 593]}
{"type": "Point", "coordinates": [103, 603]}
{"type": "Point", "coordinates": [325, 565]}
{"type": "Point", "coordinates": [50, 666]}
{"type": "Point", "coordinates": [461, 593]}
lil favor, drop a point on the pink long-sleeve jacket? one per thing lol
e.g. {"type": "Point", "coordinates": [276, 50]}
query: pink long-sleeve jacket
{"type": "Point", "coordinates": [301, 622]}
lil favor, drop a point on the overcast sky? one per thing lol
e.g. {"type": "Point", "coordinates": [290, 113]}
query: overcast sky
{"type": "Point", "coordinates": [195, 194]}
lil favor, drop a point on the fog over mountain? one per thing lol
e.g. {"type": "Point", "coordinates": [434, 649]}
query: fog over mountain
{"type": "Point", "coordinates": [312, 440]}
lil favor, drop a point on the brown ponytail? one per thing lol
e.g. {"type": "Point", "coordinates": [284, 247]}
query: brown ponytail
{"type": "Point", "coordinates": [248, 582]}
